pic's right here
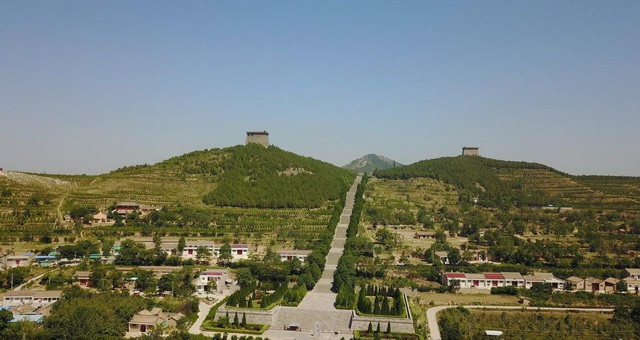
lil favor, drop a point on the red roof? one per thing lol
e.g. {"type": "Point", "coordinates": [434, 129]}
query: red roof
{"type": "Point", "coordinates": [455, 275]}
{"type": "Point", "coordinates": [494, 276]}
{"type": "Point", "coordinates": [213, 273]}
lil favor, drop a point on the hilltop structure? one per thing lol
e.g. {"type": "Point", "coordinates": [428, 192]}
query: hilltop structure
{"type": "Point", "coordinates": [258, 137]}
{"type": "Point", "coordinates": [470, 151]}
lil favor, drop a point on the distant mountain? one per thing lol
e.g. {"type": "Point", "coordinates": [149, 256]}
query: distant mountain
{"type": "Point", "coordinates": [371, 162]}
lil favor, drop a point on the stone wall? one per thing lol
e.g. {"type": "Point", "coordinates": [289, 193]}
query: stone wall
{"type": "Point", "coordinates": [253, 315]}
{"type": "Point", "coordinates": [258, 139]}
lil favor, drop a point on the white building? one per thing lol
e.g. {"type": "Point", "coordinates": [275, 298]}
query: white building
{"type": "Point", "coordinates": [219, 276]}
{"type": "Point", "coordinates": [191, 248]}
{"type": "Point", "coordinates": [490, 280]}
{"type": "Point", "coordinates": [12, 261]}
{"type": "Point", "coordinates": [35, 298]}
{"type": "Point", "coordinates": [290, 254]}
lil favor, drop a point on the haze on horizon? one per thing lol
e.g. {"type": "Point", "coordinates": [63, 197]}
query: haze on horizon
{"type": "Point", "coordinates": [90, 87]}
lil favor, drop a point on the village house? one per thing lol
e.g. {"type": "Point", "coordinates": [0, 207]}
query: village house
{"type": "Point", "coordinates": [505, 279]}
{"type": "Point", "coordinates": [542, 278]}
{"type": "Point", "coordinates": [31, 297]}
{"type": "Point", "coordinates": [219, 276]}
{"type": "Point", "coordinates": [289, 255]}
{"type": "Point", "coordinates": [82, 278]}
{"type": "Point", "coordinates": [191, 248]}
{"type": "Point", "coordinates": [146, 321]}
{"type": "Point", "coordinates": [424, 234]}
{"type": "Point", "coordinates": [102, 219]}
{"type": "Point", "coordinates": [513, 279]}
{"type": "Point", "coordinates": [127, 207]}
{"type": "Point", "coordinates": [593, 284]}
{"type": "Point", "coordinates": [611, 285]}
{"type": "Point", "coordinates": [12, 261]}
{"type": "Point", "coordinates": [479, 256]}
{"type": "Point", "coordinates": [443, 256]}
{"type": "Point", "coordinates": [48, 260]}
{"type": "Point", "coordinates": [632, 273]}
{"type": "Point", "coordinates": [576, 283]}
{"type": "Point", "coordinates": [633, 285]}
{"type": "Point", "coordinates": [238, 251]}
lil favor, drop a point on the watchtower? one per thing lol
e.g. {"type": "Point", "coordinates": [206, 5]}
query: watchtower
{"type": "Point", "coordinates": [258, 137]}
{"type": "Point", "coordinates": [470, 151]}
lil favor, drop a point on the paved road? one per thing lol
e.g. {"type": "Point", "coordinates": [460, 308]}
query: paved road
{"type": "Point", "coordinates": [203, 311]}
{"type": "Point", "coordinates": [434, 329]}
{"type": "Point", "coordinates": [33, 279]}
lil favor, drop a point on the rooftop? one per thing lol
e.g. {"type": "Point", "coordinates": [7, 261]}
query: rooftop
{"type": "Point", "coordinates": [253, 133]}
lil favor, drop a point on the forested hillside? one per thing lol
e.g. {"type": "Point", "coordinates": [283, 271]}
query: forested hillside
{"type": "Point", "coordinates": [475, 177]}
{"type": "Point", "coordinates": [496, 182]}
{"type": "Point", "coordinates": [210, 181]}
{"type": "Point", "coordinates": [254, 176]}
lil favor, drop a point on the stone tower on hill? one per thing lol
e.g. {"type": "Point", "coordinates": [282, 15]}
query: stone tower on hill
{"type": "Point", "coordinates": [470, 151]}
{"type": "Point", "coordinates": [258, 137]}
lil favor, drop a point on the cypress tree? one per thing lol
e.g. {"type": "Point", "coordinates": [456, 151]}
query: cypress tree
{"type": "Point", "coordinates": [378, 328]}
{"type": "Point", "coordinates": [385, 305]}
{"type": "Point", "coordinates": [236, 323]}
{"type": "Point", "coordinates": [388, 327]}
{"type": "Point", "coordinates": [370, 328]}
{"type": "Point", "coordinates": [250, 303]}
{"type": "Point", "coordinates": [244, 321]}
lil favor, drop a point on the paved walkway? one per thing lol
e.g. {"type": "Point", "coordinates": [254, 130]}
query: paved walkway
{"type": "Point", "coordinates": [203, 311]}
{"type": "Point", "coordinates": [434, 329]}
{"type": "Point", "coordinates": [317, 306]}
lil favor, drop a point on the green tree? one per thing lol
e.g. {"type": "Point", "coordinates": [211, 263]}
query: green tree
{"type": "Point", "coordinates": [224, 257]}
{"type": "Point", "coordinates": [203, 254]}
{"type": "Point", "coordinates": [182, 243]}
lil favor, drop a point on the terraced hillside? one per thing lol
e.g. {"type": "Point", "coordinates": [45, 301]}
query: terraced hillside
{"type": "Point", "coordinates": [252, 176]}
{"type": "Point", "coordinates": [496, 182]}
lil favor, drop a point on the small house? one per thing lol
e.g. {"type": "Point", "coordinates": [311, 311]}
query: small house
{"type": "Point", "coordinates": [83, 278]}
{"type": "Point", "coordinates": [425, 234]}
{"type": "Point", "coordinates": [576, 283]}
{"type": "Point", "coordinates": [442, 256]}
{"type": "Point", "coordinates": [146, 321]}
{"type": "Point", "coordinates": [632, 273]}
{"type": "Point", "coordinates": [594, 285]}
{"type": "Point", "coordinates": [611, 285]}
{"type": "Point", "coordinates": [289, 255]}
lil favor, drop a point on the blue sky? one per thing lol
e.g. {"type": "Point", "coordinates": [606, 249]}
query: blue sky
{"type": "Point", "coordinates": [87, 87]}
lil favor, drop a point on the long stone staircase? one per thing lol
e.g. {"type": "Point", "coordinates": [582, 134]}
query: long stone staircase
{"type": "Point", "coordinates": [317, 306]}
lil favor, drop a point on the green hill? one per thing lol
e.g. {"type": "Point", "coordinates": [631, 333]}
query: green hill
{"type": "Point", "coordinates": [216, 181]}
{"type": "Point", "coordinates": [254, 176]}
{"type": "Point", "coordinates": [370, 163]}
{"type": "Point", "coordinates": [496, 182]}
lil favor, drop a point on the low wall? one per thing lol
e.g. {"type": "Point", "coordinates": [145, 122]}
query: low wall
{"type": "Point", "coordinates": [397, 324]}
{"type": "Point", "coordinates": [404, 325]}
{"type": "Point", "coordinates": [253, 315]}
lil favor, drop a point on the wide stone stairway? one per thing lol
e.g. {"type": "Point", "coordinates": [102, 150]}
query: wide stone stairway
{"type": "Point", "coordinates": [317, 306]}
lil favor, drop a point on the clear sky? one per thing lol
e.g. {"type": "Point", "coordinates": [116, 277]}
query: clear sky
{"type": "Point", "coordinates": [87, 86]}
